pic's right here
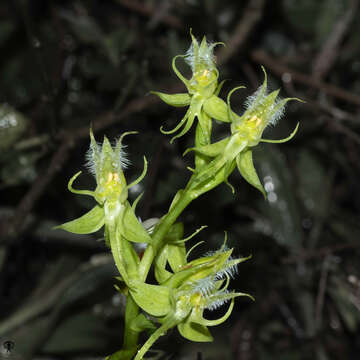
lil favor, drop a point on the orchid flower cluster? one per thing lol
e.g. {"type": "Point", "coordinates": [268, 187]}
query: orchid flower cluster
{"type": "Point", "coordinates": [184, 288]}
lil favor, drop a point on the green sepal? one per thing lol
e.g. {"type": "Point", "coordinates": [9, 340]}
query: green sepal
{"type": "Point", "coordinates": [80, 192]}
{"type": "Point", "coordinates": [177, 256]}
{"type": "Point", "coordinates": [89, 223]}
{"type": "Point", "coordinates": [282, 140]}
{"type": "Point", "coordinates": [154, 299]}
{"type": "Point", "coordinates": [198, 316]}
{"type": "Point", "coordinates": [231, 115]}
{"type": "Point", "coordinates": [177, 100]}
{"type": "Point", "coordinates": [211, 150]}
{"type": "Point", "coordinates": [131, 227]}
{"type": "Point", "coordinates": [177, 72]}
{"type": "Point", "coordinates": [141, 323]}
{"type": "Point", "coordinates": [246, 168]}
{"type": "Point", "coordinates": [194, 331]}
{"type": "Point", "coordinates": [134, 204]}
{"type": "Point", "coordinates": [161, 274]}
{"type": "Point", "coordinates": [217, 109]}
{"type": "Point", "coordinates": [173, 252]}
{"type": "Point", "coordinates": [178, 126]}
{"type": "Point", "coordinates": [127, 255]}
{"type": "Point", "coordinates": [219, 87]}
{"type": "Point", "coordinates": [193, 112]}
{"type": "Point", "coordinates": [176, 250]}
{"type": "Point", "coordinates": [221, 297]}
{"type": "Point", "coordinates": [135, 182]}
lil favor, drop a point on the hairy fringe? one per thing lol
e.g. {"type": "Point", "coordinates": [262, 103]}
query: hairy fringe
{"type": "Point", "coordinates": [90, 155]}
{"type": "Point", "coordinates": [231, 271]}
{"type": "Point", "coordinates": [95, 158]}
{"type": "Point", "coordinates": [205, 55]}
{"type": "Point", "coordinates": [204, 286]}
{"type": "Point", "coordinates": [215, 304]}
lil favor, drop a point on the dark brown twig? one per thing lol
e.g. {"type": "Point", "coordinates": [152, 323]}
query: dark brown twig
{"type": "Point", "coordinates": [250, 18]}
{"type": "Point", "coordinates": [37, 189]}
{"type": "Point", "coordinates": [344, 130]}
{"type": "Point", "coordinates": [148, 11]}
{"type": "Point", "coordinates": [337, 114]}
{"type": "Point", "coordinates": [321, 292]}
{"type": "Point", "coordinates": [330, 50]}
{"type": "Point", "coordinates": [278, 68]}
{"type": "Point", "coordinates": [319, 253]}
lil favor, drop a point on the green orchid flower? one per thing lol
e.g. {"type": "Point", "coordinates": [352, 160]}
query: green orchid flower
{"type": "Point", "coordinates": [182, 299]}
{"type": "Point", "coordinates": [263, 109]}
{"type": "Point", "coordinates": [203, 89]}
{"type": "Point", "coordinates": [112, 209]}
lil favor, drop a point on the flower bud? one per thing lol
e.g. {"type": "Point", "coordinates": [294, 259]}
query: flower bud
{"type": "Point", "coordinates": [107, 164]}
{"type": "Point", "coordinates": [201, 60]}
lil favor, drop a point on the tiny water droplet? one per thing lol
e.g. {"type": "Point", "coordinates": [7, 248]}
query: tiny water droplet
{"type": "Point", "coordinates": [36, 43]}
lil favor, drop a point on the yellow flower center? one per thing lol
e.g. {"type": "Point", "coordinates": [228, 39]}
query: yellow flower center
{"type": "Point", "coordinates": [203, 77]}
{"type": "Point", "coordinates": [111, 177]}
{"type": "Point", "coordinates": [255, 119]}
{"type": "Point", "coordinates": [196, 300]}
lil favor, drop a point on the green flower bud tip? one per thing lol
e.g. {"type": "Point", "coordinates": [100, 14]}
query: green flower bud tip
{"type": "Point", "coordinates": [107, 163]}
{"type": "Point", "coordinates": [201, 60]}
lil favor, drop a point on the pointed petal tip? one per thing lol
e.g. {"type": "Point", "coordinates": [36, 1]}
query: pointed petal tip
{"type": "Point", "coordinates": [280, 141]}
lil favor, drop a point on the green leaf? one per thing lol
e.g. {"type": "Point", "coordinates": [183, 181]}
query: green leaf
{"type": "Point", "coordinates": [89, 223]}
{"type": "Point", "coordinates": [126, 258]}
{"type": "Point", "coordinates": [246, 168]}
{"type": "Point", "coordinates": [194, 332]}
{"type": "Point", "coordinates": [173, 252]}
{"type": "Point", "coordinates": [154, 299]}
{"type": "Point", "coordinates": [178, 100]}
{"type": "Point", "coordinates": [141, 323]}
{"type": "Point", "coordinates": [131, 227]}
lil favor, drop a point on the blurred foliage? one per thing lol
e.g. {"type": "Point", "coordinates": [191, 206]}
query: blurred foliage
{"type": "Point", "coordinates": [65, 64]}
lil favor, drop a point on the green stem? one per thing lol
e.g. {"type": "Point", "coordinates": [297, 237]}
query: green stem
{"type": "Point", "coordinates": [150, 341]}
{"type": "Point", "coordinates": [160, 232]}
{"type": "Point", "coordinates": [185, 199]}
{"type": "Point", "coordinates": [191, 192]}
{"type": "Point", "coordinates": [131, 337]}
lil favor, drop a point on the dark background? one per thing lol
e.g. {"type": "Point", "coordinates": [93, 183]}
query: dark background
{"type": "Point", "coordinates": [66, 64]}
